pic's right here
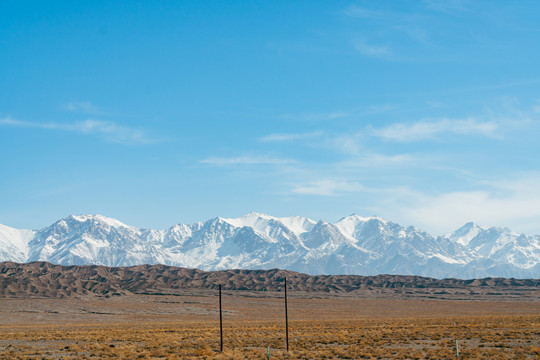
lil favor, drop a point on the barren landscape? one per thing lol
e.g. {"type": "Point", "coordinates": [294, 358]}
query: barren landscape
{"type": "Point", "coordinates": [45, 316]}
{"type": "Point", "coordinates": [43, 279]}
{"type": "Point", "coordinates": [296, 180]}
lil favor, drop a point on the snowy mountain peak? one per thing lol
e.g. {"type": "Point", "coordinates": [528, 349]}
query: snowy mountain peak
{"type": "Point", "coordinates": [248, 220]}
{"type": "Point", "coordinates": [466, 233]}
{"type": "Point", "coordinates": [349, 225]}
{"type": "Point", "coordinates": [353, 245]}
{"type": "Point", "coordinates": [298, 224]}
{"type": "Point", "coordinates": [359, 218]}
{"type": "Point", "coordinates": [14, 243]}
{"type": "Point", "coordinates": [471, 231]}
{"type": "Point", "coordinates": [98, 219]}
{"type": "Point", "coordinates": [260, 222]}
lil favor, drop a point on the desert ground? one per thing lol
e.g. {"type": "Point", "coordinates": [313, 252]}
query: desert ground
{"type": "Point", "coordinates": [321, 326]}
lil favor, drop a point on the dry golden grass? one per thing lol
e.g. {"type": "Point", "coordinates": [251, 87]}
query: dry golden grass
{"type": "Point", "coordinates": [319, 329]}
{"type": "Point", "coordinates": [485, 337]}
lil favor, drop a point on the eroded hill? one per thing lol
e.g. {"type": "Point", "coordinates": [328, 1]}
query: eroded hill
{"type": "Point", "coordinates": [43, 279]}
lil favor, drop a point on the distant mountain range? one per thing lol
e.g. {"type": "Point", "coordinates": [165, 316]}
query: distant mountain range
{"type": "Point", "coordinates": [353, 245]}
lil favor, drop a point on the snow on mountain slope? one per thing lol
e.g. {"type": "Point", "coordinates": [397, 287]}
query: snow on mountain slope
{"type": "Point", "coordinates": [14, 243]}
{"type": "Point", "coordinates": [350, 224]}
{"type": "Point", "coordinates": [500, 245]}
{"type": "Point", "coordinates": [262, 222]}
{"type": "Point", "coordinates": [353, 245]}
{"type": "Point", "coordinates": [95, 239]}
{"type": "Point", "coordinates": [466, 233]}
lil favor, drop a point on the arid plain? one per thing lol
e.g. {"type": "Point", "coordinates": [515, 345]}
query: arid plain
{"type": "Point", "coordinates": [373, 322]}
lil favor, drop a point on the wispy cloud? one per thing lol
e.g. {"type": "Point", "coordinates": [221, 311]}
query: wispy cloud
{"type": "Point", "coordinates": [373, 160]}
{"type": "Point", "coordinates": [247, 160]}
{"type": "Point", "coordinates": [381, 108]}
{"type": "Point", "coordinates": [358, 12]}
{"type": "Point", "coordinates": [84, 107]}
{"type": "Point", "coordinates": [536, 107]}
{"type": "Point", "coordinates": [350, 144]}
{"type": "Point", "coordinates": [379, 51]}
{"type": "Point", "coordinates": [431, 129]}
{"type": "Point", "coordinates": [11, 122]}
{"type": "Point", "coordinates": [511, 202]}
{"type": "Point", "coordinates": [290, 136]}
{"type": "Point", "coordinates": [364, 13]}
{"type": "Point", "coordinates": [327, 187]}
{"type": "Point", "coordinates": [448, 6]}
{"type": "Point", "coordinates": [383, 27]}
{"type": "Point", "coordinates": [514, 203]}
{"type": "Point", "coordinates": [106, 130]}
{"type": "Point", "coordinates": [316, 116]}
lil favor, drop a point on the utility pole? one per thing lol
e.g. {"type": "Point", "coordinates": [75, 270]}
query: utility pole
{"type": "Point", "coordinates": [220, 322]}
{"type": "Point", "coordinates": [286, 317]}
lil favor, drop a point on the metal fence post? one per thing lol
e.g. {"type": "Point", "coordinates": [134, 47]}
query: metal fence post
{"type": "Point", "coordinates": [220, 322]}
{"type": "Point", "coordinates": [286, 317]}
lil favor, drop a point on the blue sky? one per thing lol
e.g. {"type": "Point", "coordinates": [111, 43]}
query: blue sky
{"type": "Point", "coordinates": [426, 113]}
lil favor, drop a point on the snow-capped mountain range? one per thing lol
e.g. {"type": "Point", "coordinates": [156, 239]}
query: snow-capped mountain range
{"type": "Point", "coordinates": [353, 245]}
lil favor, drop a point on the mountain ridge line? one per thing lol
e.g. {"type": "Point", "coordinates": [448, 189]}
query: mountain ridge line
{"type": "Point", "coordinates": [354, 245]}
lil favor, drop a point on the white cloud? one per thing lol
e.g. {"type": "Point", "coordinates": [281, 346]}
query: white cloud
{"type": "Point", "coordinates": [110, 131]}
{"type": "Point", "coordinates": [379, 51]}
{"type": "Point", "coordinates": [405, 22]}
{"type": "Point", "coordinates": [431, 129]}
{"type": "Point", "coordinates": [514, 203]}
{"type": "Point", "coordinates": [536, 107]}
{"type": "Point", "coordinates": [359, 12]}
{"type": "Point", "coordinates": [350, 144]}
{"type": "Point", "coordinates": [11, 122]}
{"type": "Point", "coordinates": [82, 107]}
{"type": "Point", "coordinates": [247, 160]}
{"type": "Point", "coordinates": [107, 130]}
{"type": "Point", "coordinates": [327, 187]}
{"type": "Point", "coordinates": [316, 116]}
{"type": "Point", "coordinates": [372, 160]}
{"type": "Point", "coordinates": [448, 6]}
{"type": "Point", "coordinates": [385, 16]}
{"type": "Point", "coordinates": [289, 136]}
{"type": "Point", "coordinates": [416, 33]}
